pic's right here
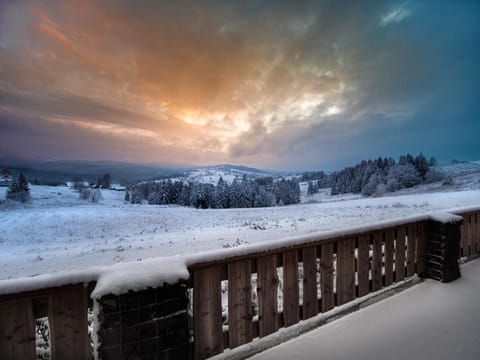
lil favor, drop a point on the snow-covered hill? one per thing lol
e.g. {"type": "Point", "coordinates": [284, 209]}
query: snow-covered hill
{"type": "Point", "coordinates": [456, 177]}
{"type": "Point", "coordinates": [211, 174]}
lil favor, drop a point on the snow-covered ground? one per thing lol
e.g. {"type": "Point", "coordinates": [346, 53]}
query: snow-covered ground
{"type": "Point", "coordinates": [59, 232]}
{"type": "Point", "coordinates": [428, 321]}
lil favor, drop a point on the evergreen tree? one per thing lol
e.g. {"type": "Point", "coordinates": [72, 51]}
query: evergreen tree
{"type": "Point", "coordinates": [104, 181]}
{"type": "Point", "coordinates": [421, 165]}
{"type": "Point", "coordinates": [312, 188]}
{"type": "Point", "coordinates": [19, 190]}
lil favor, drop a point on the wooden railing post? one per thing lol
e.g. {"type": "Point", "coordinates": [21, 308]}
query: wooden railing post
{"type": "Point", "coordinates": [67, 313]}
{"type": "Point", "coordinates": [240, 326]}
{"type": "Point", "coordinates": [267, 294]}
{"type": "Point", "coordinates": [17, 331]}
{"type": "Point", "coordinates": [310, 302]}
{"type": "Point", "coordinates": [207, 312]}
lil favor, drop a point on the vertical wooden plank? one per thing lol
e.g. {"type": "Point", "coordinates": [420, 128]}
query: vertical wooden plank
{"type": "Point", "coordinates": [67, 315]}
{"type": "Point", "coordinates": [291, 306]}
{"type": "Point", "coordinates": [411, 244]}
{"type": "Point", "coordinates": [239, 303]}
{"type": "Point", "coordinates": [471, 233]}
{"type": "Point", "coordinates": [17, 331]}
{"type": "Point", "coordinates": [477, 232]}
{"type": "Point", "coordinates": [310, 302]}
{"type": "Point", "coordinates": [363, 265]}
{"type": "Point", "coordinates": [377, 261]}
{"type": "Point", "coordinates": [345, 271]}
{"type": "Point", "coordinates": [389, 251]}
{"type": "Point", "coordinates": [326, 276]}
{"type": "Point", "coordinates": [267, 294]}
{"type": "Point", "coordinates": [421, 248]}
{"type": "Point", "coordinates": [462, 238]}
{"type": "Point", "coordinates": [473, 229]}
{"type": "Point", "coordinates": [207, 312]}
{"type": "Point", "coordinates": [465, 236]}
{"type": "Point", "coordinates": [400, 254]}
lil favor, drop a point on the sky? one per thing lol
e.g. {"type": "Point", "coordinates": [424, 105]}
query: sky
{"type": "Point", "coordinates": [290, 85]}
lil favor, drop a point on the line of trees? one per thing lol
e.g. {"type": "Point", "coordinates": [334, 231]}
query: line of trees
{"type": "Point", "coordinates": [376, 176]}
{"type": "Point", "coordinates": [260, 192]}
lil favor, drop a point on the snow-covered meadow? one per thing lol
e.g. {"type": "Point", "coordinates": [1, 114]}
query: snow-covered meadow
{"type": "Point", "coordinates": [60, 232]}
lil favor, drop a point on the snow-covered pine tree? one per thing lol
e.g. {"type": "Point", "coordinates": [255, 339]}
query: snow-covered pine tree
{"type": "Point", "coordinates": [19, 190]}
{"type": "Point", "coordinates": [312, 187]}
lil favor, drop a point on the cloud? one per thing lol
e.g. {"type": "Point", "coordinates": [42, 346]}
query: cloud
{"type": "Point", "coordinates": [395, 16]}
{"type": "Point", "coordinates": [256, 82]}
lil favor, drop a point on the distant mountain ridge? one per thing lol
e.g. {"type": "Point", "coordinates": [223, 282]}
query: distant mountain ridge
{"type": "Point", "coordinates": [60, 171]}
{"type": "Point", "coordinates": [48, 171]}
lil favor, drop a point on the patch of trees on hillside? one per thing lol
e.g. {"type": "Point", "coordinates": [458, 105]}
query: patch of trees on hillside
{"type": "Point", "coordinates": [375, 177]}
{"type": "Point", "coordinates": [245, 193]}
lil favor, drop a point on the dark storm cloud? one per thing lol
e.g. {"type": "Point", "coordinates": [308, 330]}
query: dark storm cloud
{"type": "Point", "coordinates": [413, 85]}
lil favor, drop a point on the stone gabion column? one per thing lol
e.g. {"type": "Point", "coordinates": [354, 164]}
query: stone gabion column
{"type": "Point", "coordinates": [149, 324]}
{"type": "Point", "coordinates": [443, 250]}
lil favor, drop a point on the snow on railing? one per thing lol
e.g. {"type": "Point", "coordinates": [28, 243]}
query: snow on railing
{"type": "Point", "coordinates": [239, 294]}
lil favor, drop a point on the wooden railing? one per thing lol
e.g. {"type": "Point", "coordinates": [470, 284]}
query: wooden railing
{"type": "Point", "coordinates": [66, 308]}
{"type": "Point", "coordinates": [316, 277]}
{"type": "Point", "coordinates": [238, 299]}
{"type": "Point", "coordinates": [470, 233]}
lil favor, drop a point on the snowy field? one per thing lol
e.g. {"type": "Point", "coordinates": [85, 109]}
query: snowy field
{"type": "Point", "coordinates": [59, 232]}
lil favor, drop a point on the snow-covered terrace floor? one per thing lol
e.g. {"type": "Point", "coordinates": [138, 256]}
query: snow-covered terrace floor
{"type": "Point", "coordinates": [430, 320]}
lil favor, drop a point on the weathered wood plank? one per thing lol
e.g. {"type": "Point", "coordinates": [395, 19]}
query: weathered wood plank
{"type": "Point", "coordinates": [67, 314]}
{"type": "Point", "coordinates": [345, 271]}
{"type": "Point", "coordinates": [310, 301]}
{"type": "Point", "coordinates": [326, 276]}
{"type": "Point", "coordinates": [17, 331]}
{"type": "Point", "coordinates": [377, 261]}
{"type": "Point", "coordinates": [473, 229]}
{"type": "Point", "coordinates": [207, 312]}
{"type": "Point", "coordinates": [239, 303]}
{"type": "Point", "coordinates": [472, 240]}
{"type": "Point", "coordinates": [400, 254]}
{"type": "Point", "coordinates": [468, 221]}
{"type": "Point", "coordinates": [267, 294]}
{"type": "Point", "coordinates": [291, 308]}
{"type": "Point", "coordinates": [421, 248]}
{"type": "Point", "coordinates": [411, 248]}
{"type": "Point", "coordinates": [363, 268]}
{"type": "Point", "coordinates": [389, 251]}
{"type": "Point", "coordinates": [477, 232]}
{"type": "Point", "coordinates": [465, 236]}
